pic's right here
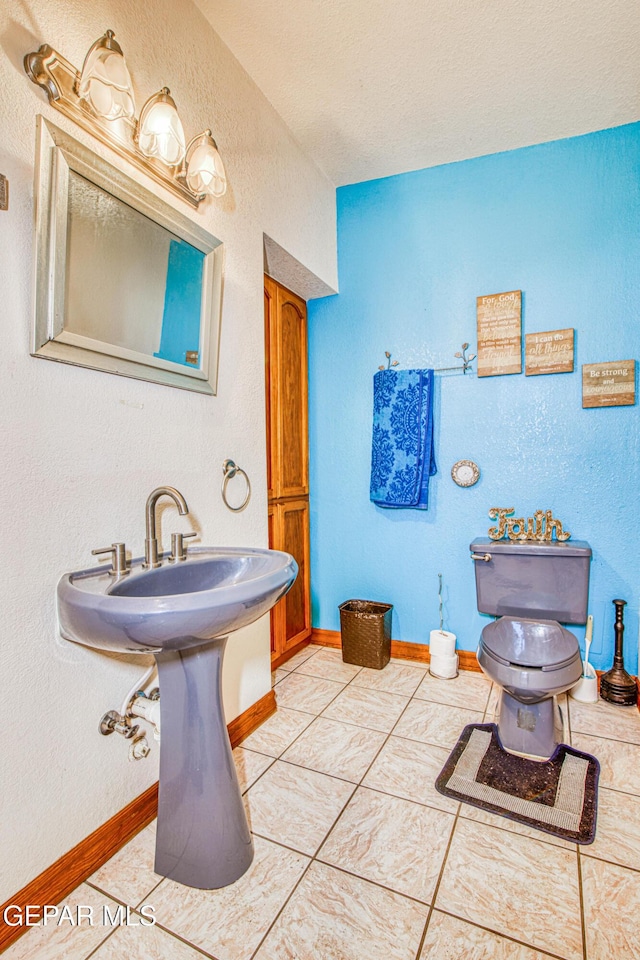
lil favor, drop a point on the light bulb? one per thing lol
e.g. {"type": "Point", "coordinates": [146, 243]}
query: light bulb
{"type": "Point", "coordinates": [205, 169]}
{"type": "Point", "coordinates": [160, 134]}
{"type": "Point", "coordinates": [105, 83]}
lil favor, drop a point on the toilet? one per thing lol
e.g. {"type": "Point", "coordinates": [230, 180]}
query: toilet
{"type": "Point", "coordinates": [532, 588]}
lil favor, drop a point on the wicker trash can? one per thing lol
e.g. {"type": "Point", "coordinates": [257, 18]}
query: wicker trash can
{"type": "Point", "coordinates": [365, 627]}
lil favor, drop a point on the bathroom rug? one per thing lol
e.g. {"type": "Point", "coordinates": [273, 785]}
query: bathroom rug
{"type": "Point", "coordinates": [559, 795]}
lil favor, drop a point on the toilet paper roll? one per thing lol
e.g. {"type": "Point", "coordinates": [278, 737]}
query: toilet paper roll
{"type": "Point", "coordinates": [444, 668]}
{"type": "Point", "coordinates": [442, 643]}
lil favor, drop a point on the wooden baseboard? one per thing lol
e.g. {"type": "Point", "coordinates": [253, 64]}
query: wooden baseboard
{"type": "Point", "coordinates": [240, 728]}
{"type": "Point", "coordinates": [277, 661]}
{"type": "Point", "coordinates": [63, 876]}
{"type": "Point", "coordinates": [418, 651]}
{"type": "Point", "coordinates": [326, 638]}
{"type": "Point", "coordinates": [399, 648]}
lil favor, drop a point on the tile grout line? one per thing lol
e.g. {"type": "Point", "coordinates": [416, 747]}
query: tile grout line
{"type": "Point", "coordinates": [187, 943]}
{"type": "Point", "coordinates": [601, 736]}
{"type": "Point", "coordinates": [113, 896]}
{"type": "Point", "coordinates": [171, 933]}
{"type": "Point", "coordinates": [244, 792]}
{"type": "Point", "coordinates": [583, 925]}
{"type": "Point", "coordinates": [598, 735]}
{"type": "Point", "coordinates": [357, 783]}
{"type": "Point", "coordinates": [387, 737]}
{"type": "Point", "coordinates": [609, 789]}
{"type": "Point", "coordinates": [100, 945]}
{"type": "Point", "coordinates": [418, 803]}
{"type": "Point", "coordinates": [615, 863]}
{"type": "Point", "coordinates": [347, 684]}
{"type": "Point", "coordinates": [374, 690]}
{"type": "Point", "coordinates": [316, 716]}
{"type": "Point", "coordinates": [284, 905]}
{"type": "Point", "coordinates": [374, 883]}
{"type": "Point", "coordinates": [437, 886]}
{"type": "Point", "coordinates": [315, 859]}
{"type": "Point", "coordinates": [503, 936]}
{"type": "Point", "coordinates": [498, 826]}
{"type": "Point", "coordinates": [344, 686]}
{"type": "Point", "coordinates": [356, 788]}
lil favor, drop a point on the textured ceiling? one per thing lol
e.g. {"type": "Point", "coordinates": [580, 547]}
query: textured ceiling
{"type": "Point", "coordinates": [371, 88]}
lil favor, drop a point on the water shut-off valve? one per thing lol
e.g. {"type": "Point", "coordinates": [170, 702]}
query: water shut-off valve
{"type": "Point", "coordinates": [141, 705]}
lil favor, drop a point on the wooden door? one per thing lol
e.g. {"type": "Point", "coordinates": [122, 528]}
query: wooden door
{"type": "Point", "coordinates": [270, 365]}
{"type": "Point", "coordinates": [292, 615]}
{"type": "Point", "coordinates": [288, 388]}
{"type": "Point", "coordinates": [276, 614]}
{"type": "Point", "coordinates": [287, 457]}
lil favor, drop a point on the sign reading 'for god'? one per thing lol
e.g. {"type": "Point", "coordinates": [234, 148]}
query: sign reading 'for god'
{"type": "Point", "coordinates": [499, 334]}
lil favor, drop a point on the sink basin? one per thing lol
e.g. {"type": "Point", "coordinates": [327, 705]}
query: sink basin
{"type": "Point", "coordinates": [210, 594]}
{"type": "Point", "coordinates": [183, 613]}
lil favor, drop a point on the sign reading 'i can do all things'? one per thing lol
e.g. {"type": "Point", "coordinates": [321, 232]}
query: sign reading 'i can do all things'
{"type": "Point", "coordinates": [548, 352]}
{"type": "Point", "coordinates": [499, 334]}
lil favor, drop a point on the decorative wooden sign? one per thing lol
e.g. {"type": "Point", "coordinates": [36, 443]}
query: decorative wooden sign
{"type": "Point", "coordinates": [539, 527]}
{"type": "Point", "coordinates": [609, 384]}
{"type": "Point", "coordinates": [499, 334]}
{"type": "Point", "coordinates": [550, 352]}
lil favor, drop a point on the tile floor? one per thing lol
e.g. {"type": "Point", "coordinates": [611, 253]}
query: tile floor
{"type": "Point", "coordinates": [357, 857]}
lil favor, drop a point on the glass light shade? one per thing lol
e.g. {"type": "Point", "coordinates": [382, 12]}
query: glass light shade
{"type": "Point", "coordinates": [160, 134]}
{"type": "Point", "coordinates": [205, 169]}
{"type": "Point", "coordinates": [105, 83]}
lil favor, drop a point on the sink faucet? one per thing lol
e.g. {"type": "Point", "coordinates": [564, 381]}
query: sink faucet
{"type": "Point", "coordinates": [151, 543]}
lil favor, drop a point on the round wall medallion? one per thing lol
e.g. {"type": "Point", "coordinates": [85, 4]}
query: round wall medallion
{"type": "Point", "coordinates": [465, 473]}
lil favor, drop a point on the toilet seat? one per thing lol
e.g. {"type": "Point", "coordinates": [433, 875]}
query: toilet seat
{"type": "Point", "coordinates": [530, 644]}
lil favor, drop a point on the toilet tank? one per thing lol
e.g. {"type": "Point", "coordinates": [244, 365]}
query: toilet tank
{"type": "Point", "coordinates": [530, 579]}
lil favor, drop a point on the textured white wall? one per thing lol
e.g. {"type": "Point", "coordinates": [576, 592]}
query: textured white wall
{"type": "Point", "coordinates": [81, 450]}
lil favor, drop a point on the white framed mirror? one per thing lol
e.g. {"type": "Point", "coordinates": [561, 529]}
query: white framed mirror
{"type": "Point", "coordinates": [125, 283]}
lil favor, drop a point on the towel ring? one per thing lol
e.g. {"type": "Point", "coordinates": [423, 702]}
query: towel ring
{"type": "Point", "coordinates": [230, 470]}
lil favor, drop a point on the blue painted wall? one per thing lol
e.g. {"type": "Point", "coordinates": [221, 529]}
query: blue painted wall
{"type": "Point", "coordinates": [561, 222]}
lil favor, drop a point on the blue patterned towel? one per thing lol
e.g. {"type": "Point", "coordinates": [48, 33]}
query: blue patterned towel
{"type": "Point", "coordinates": [402, 458]}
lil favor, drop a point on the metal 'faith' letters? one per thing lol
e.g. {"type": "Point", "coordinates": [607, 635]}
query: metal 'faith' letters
{"type": "Point", "coordinates": [539, 527]}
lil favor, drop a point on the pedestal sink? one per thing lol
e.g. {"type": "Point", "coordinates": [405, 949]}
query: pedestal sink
{"type": "Point", "coordinates": [182, 613]}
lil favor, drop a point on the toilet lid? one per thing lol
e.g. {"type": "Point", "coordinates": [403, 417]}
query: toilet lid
{"type": "Point", "coordinates": [530, 643]}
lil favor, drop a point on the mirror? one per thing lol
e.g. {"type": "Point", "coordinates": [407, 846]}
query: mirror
{"type": "Point", "coordinates": [124, 282]}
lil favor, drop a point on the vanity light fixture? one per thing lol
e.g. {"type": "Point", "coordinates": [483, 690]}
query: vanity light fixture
{"type": "Point", "coordinates": [100, 100]}
{"type": "Point", "coordinates": [205, 169]}
{"type": "Point", "coordinates": [159, 133]}
{"type": "Point", "coordinates": [105, 83]}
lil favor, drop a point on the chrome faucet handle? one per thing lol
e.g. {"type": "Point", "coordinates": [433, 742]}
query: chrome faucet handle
{"type": "Point", "coordinates": [118, 559]}
{"type": "Point", "coordinates": [178, 548]}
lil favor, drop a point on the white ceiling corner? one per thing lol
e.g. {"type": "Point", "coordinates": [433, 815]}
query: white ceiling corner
{"type": "Point", "coordinates": [372, 88]}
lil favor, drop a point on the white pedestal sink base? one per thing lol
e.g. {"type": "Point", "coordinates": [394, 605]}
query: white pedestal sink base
{"type": "Point", "coordinates": [203, 838]}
